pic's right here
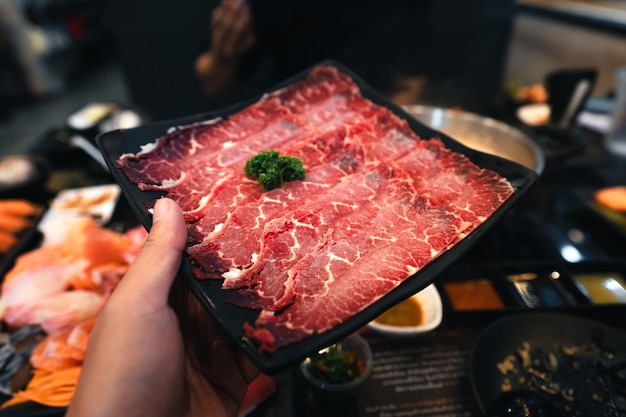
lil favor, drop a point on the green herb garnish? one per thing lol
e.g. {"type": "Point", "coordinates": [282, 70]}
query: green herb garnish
{"type": "Point", "coordinates": [272, 170]}
{"type": "Point", "coordinates": [335, 366]}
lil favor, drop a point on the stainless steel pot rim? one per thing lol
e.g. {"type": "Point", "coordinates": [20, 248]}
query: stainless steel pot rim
{"type": "Point", "coordinates": [437, 116]}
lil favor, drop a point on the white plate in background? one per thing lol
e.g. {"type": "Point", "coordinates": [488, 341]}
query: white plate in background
{"type": "Point", "coordinates": [97, 202]}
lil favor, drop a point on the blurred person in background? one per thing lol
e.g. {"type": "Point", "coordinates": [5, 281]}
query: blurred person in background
{"type": "Point", "coordinates": [196, 56]}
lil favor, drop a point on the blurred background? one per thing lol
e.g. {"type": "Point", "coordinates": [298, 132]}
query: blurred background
{"type": "Point", "coordinates": [546, 69]}
{"type": "Point", "coordinates": [59, 55]}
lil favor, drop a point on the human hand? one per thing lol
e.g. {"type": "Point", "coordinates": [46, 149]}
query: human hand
{"type": "Point", "coordinates": [233, 33]}
{"type": "Point", "coordinates": [138, 363]}
{"type": "Point", "coordinates": [231, 38]}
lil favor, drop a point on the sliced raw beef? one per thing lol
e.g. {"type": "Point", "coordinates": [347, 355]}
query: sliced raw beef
{"type": "Point", "coordinates": [448, 178]}
{"type": "Point", "coordinates": [377, 204]}
{"type": "Point", "coordinates": [417, 167]}
{"type": "Point", "coordinates": [172, 154]}
{"type": "Point", "coordinates": [354, 204]}
{"type": "Point", "coordinates": [409, 230]}
{"type": "Point", "coordinates": [323, 97]}
{"type": "Point", "coordinates": [197, 186]}
{"type": "Point", "coordinates": [366, 266]}
{"type": "Point", "coordinates": [218, 205]}
{"type": "Point", "coordinates": [236, 244]}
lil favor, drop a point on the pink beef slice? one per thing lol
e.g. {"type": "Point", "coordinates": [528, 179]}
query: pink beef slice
{"type": "Point", "coordinates": [378, 204]}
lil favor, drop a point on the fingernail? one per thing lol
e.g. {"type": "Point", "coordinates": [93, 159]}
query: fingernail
{"type": "Point", "coordinates": [161, 207]}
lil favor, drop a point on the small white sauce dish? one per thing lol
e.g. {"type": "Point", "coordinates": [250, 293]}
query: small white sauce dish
{"type": "Point", "coordinates": [431, 311]}
{"type": "Point", "coordinates": [536, 114]}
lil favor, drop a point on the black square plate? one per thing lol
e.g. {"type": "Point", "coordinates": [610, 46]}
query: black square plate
{"type": "Point", "coordinates": [116, 143]}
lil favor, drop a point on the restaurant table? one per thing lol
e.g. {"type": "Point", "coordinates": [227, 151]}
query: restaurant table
{"type": "Point", "coordinates": [420, 375]}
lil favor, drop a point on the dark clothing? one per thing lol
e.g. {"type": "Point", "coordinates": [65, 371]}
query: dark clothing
{"type": "Point", "coordinates": [155, 46]}
{"type": "Point", "coordinates": [460, 45]}
{"type": "Point", "coordinates": [376, 39]}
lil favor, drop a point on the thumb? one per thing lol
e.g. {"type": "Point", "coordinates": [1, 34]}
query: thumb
{"type": "Point", "coordinates": [153, 270]}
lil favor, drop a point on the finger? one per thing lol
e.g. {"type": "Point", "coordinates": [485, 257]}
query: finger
{"type": "Point", "coordinates": [216, 16]}
{"type": "Point", "coordinates": [220, 29]}
{"type": "Point", "coordinates": [156, 265]}
{"type": "Point", "coordinates": [224, 15]}
{"type": "Point", "coordinates": [242, 34]}
{"type": "Point", "coordinates": [234, 23]}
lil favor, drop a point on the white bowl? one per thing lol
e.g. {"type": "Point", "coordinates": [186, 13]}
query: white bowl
{"type": "Point", "coordinates": [536, 114]}
{"type": "Point", "coordinates": [432, 314]}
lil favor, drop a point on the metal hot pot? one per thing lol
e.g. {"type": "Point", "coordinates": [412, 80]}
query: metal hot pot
{"type": "Point", "coordinates": [482, 134]}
